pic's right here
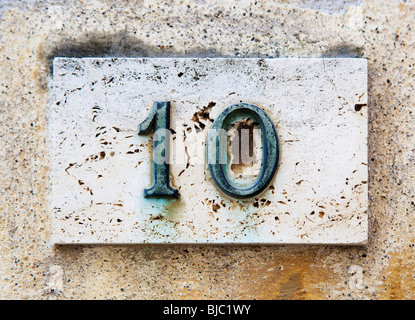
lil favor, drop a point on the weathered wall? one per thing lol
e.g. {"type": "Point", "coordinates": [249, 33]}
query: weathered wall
{"type": "Point", "coordinates": [33, 32]}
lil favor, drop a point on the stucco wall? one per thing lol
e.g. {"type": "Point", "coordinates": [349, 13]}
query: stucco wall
{"type": "Point", "coordinates": [33, 32]}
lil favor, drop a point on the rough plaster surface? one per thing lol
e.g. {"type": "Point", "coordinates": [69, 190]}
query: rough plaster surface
{"type": "Point", "coordinates": [34, 32]}
{"type": "Point", "coordinates": [100, 166]}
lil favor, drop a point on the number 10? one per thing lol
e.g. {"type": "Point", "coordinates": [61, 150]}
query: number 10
{"type": "Point", "coordinates": [159, 120]}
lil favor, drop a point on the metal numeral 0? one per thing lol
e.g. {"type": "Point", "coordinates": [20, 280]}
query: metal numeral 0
{"type": "Point", "coordinates": [159, 120]}
{"type": "Point", "coordinates": [215, 151]}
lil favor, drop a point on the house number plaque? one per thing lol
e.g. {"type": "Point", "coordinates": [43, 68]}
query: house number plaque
{"type": "Point", "coordinates": [186, 150]}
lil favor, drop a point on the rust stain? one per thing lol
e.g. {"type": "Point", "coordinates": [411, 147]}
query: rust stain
{"type": "Point", "coordinates": [203, 115]}
{"type": "Point", "coordinates": [292, 288]}
{"type": "Point", "coordinates": [398, 282]}
{"type": "Point", "coordinates": [238, 164]}
{"type": "Point", "coordinates": [290, 276]}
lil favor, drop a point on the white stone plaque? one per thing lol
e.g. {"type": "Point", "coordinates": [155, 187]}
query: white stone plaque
{"type": "Point", "coordinates": [101, 165]}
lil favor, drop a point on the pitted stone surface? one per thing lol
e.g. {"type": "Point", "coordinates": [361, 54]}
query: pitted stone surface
{"type": "Point", "coordinates": [34, 32]}
{"type": "Point", "coordinates": [100, 166]}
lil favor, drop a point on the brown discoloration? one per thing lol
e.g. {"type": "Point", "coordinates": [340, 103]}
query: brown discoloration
{"type": "Point", "coordinates": [157, 217]}
{"type": "Point", "coordinates": [244, 128]}
{"type": "Point", "coordinates": [203, 115]}
{"type": "Point", "coordinates": [289, 274]}
{"type": "Point", "coordinates": [290, 290]}
{"type": "Point", "coordinates": [398, 282]}
{"type": "Point", "coordinates": [215, 207]}
{"type": "Point", "coordinates": [359, 106]}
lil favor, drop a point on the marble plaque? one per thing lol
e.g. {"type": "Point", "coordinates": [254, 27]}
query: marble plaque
{"type": "Point", "coordinates": [101, 165]}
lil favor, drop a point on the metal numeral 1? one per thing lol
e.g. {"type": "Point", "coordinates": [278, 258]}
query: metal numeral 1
{"type": "Point", "coordinates": [215, 154]}
{"type": "Point", "coordinates": [159, 120]}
